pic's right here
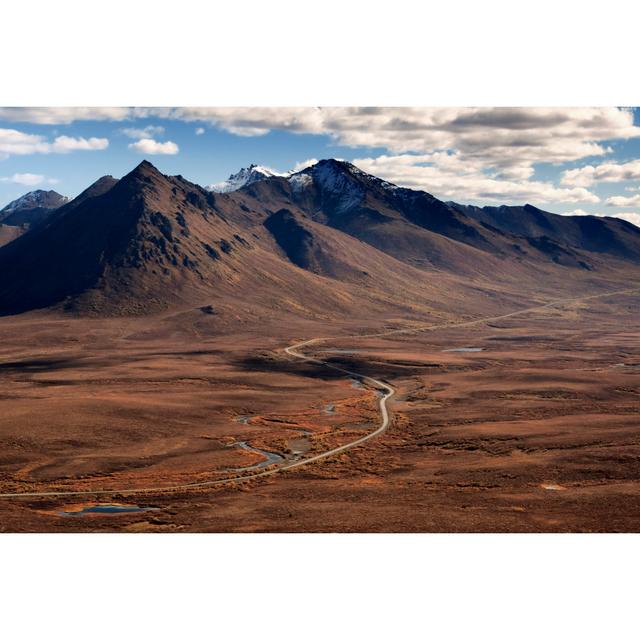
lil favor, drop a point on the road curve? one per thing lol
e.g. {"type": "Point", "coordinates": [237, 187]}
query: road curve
{"type": "Point", "coordinates": [293, 350]}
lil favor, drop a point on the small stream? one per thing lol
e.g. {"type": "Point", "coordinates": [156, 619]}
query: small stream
{"type": "Point", "coordinates": [271, 458]}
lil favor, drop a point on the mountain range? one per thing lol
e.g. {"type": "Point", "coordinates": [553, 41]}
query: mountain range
{"type": "Point", "coordinates": [316, 243]}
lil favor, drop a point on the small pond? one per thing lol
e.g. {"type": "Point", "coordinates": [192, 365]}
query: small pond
{"type": "Point", "coordinates": [106, 509]}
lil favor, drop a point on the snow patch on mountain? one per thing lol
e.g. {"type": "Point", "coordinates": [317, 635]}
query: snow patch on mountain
{"type": "Point", "coordinates": [338, 180]}
{"type": "Point", "coordinates": [248, 175]}
{"type": "Point", "coordinates": [38, 199]}
{"type": "Point", "coordinates": [343, 182]}
{"type": "Point", "coordinates": [300, 181]}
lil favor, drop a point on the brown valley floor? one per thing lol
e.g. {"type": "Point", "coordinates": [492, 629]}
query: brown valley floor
{"type": "Point", "coordinates": [534, 428]}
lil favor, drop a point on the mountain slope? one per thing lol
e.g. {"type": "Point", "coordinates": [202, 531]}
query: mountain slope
{"type": "Point", "coordinates": [9, 233]}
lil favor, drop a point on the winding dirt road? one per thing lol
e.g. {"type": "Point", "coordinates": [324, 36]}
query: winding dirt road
{"type": "Point", "coordinates": [294, 351]}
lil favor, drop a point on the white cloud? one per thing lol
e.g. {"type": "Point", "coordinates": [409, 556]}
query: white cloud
{"type": "Point", "coordinates": [579, 212]}
{"type": "Point", "coordinates": [303, 164]}
{"type": "Point", "coordinates": [500, 138]}
{"type": "Point", "coordinates": [247, 132]}
{"type": "Point", "coordinates": [623, 201]}
{"type": "Point", "coordinates": [28, 179]}
{"type": "Point", "coordinates": [153, 147]}
{"type": "Point", "coordinates": [13, 142]}
{"type": "Point", "coordinates": [450, 177]}
{"type": "Point", "coordinates": [606, 172]}
{"type": "Point", "coordinates": [199, 131]}
{"type": "Point", "coordinates": [63, 115]}
{"type": "Point", "coordinates": [497, 137]}
{"type": "Point", "coordinates": [149, 131]}
{"type": "Point", "coordinates": [64, 144]}
{"type": "Point", "coordinates": [485, 153]}
{"type": "Point", "coordinates": [633, 218]}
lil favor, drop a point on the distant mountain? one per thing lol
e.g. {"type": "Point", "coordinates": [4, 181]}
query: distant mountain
{"type": "Point", "coordinates": [315, 243]}
{"type": "Point", "coordinates": [596, 234]}
{"type": "Point", "coordinates": [31, 208]}
{"type": "Point", "coordinates": [249, 175]}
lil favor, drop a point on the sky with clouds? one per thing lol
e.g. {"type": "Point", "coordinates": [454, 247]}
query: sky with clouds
{"type": "Point", "coordinates": [566, 160]}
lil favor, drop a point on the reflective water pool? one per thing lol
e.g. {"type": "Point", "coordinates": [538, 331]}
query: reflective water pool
{"type": "Point", "coordinates": [104, 509]}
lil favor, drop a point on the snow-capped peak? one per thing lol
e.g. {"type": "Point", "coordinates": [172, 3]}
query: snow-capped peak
{"type": "Point", "coordinates": [248, 175]}
{"type": "Point", "coordinates": [339, 180]}
{"type": "Point", "coordinates": [342, 181]}
{"type": "Point", "coordinates": [38, 199]}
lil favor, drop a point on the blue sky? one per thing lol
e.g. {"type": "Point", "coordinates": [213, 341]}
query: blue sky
{"type": "Point", "coordinates": [564, 160]}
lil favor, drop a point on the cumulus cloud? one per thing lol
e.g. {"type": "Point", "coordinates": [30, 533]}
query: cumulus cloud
{"type": "Point", "coordinates": [498, 136]}
{"type": "Point", "coordinates": [579, 212]}
{"type": "Point", "coordinates": [13, 142]}
{"type": "Point", "coordinates": [63, 115]}
{"type": "Point", "coordinates": [153, 147]}
{"type": "Point", "coordinates": [623, 201]}
{"type": "Point", "coordinates": [28, 179]}
{"type": "Point", "coordinates": [504, 137]}
{"type": "Point", "coordinates": [450, 177]}
{"type": "Point", "coordinates": [199, 131]}
{"type": "Point", "coordinates": [64, 144]}
{"type": "Point", "coordinates": [247, 132]}
{"type": "Point", "coordinates": [149, 131]}
{"type": "Point", "coordinates": [606, 172]}
{"type": "Point", "coordinates": [303, 164]}
{"type": "Point", "coordinates": [633, 218]}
